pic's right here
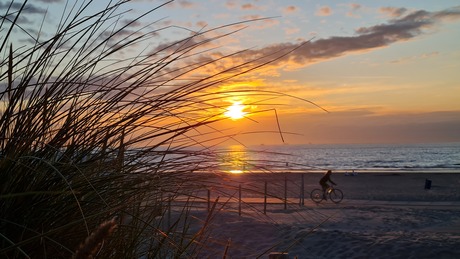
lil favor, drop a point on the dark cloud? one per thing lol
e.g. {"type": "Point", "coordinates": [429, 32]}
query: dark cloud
{"type": "Point", "coordinates": [51, 1]}
{"type": "Point", "coordinates": [29, 8]}
{"type": "Point", "coordinates": [131, 23]}
{"type": "Point", "coordinates": [27, 13]}
{"type": "Point", "coordinates": [401, 29]}
{"type": "Point", "coordinates": [182, 45]}
{"type": "Point", "coordinates": [365, 39]}
{"type": "Point", "coordinates": [449, 14]}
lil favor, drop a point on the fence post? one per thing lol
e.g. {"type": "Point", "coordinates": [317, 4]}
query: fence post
{"type": "Point", "coordinates": [239, 200]}
{"type": "Point", "coordinates": [265, 198]}
{"type": "Point", "coordinates": [285, 192]}
{"type": "Point", "coordinates": [169, 211]}
{"type": "Point", "coordinates": [302, 191]}
{"type": "Point", "coordinates": [209, 199]}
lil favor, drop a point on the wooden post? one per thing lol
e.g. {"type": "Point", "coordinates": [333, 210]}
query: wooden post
{"type": "Point", "coordinates": [169, 211]}
{"type": "Point", "coordinates": [239, 200]}
{"type": "Point", "coordinates": [285, 192]}
{"type": "Point", "coordinates": [209, 199]}
{"type": "Point", "coordinates": [265, 198]}
{"type": "Point", "coordinates": [302, 191]}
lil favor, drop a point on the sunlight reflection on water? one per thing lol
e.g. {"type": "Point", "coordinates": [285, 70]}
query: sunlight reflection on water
{"type": "Point", "coordinates": [421, 157]}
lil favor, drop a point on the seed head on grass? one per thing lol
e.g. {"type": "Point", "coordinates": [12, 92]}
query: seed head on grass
{"type": "Point", "coordinates": [93, 242]}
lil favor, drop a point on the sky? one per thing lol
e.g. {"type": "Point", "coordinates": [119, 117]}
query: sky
{"type": "Point", "coordinates": [380, 71]}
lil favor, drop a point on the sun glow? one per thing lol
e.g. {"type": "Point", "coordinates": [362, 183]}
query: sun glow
{"type": "Point", "coordinates": [236, 111]}
{"type": "Point", "coordinates": [236, 171]}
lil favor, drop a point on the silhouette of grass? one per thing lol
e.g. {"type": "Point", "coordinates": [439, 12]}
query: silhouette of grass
{"type": "Point", "coordinates": [87, 136]}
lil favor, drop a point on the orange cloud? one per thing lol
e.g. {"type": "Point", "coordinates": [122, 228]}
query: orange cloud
{"type": "Point", "coordinates": [270, 60]}
{"type": "Point", "coordinates": [392, 11]}
{"type": "Point", "coordinates": [354, 9]}
{"type": "Point", "coordinates": [290, 9]}
{"type": "Point", "coordinates": [324, 11]}
{"type": "Point", "coordinates": [366, 39]}
{"type": "Point", "coordinates": [248, 7]}
{"type": "Point", "coordinates": [186, 4]}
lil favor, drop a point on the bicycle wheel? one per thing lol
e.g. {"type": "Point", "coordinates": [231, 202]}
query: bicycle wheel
{"type": "Point", "coordinates": [316, 195]}
{"type": "Point", "coordinates": [336, 195]}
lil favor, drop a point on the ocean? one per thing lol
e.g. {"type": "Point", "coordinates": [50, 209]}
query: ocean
{"type": "Point", "coordinates": [443, 157]}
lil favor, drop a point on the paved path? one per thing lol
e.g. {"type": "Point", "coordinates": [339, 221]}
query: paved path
{"type": "Point", "coordinates": [345, 203]}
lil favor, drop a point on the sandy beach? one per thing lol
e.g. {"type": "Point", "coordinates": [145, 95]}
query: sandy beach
{"type": "Point", "coordinates": [383, 215]}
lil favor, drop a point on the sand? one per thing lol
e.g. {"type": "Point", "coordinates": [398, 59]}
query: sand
{"type": "Point", "coordinates": [384, 215]}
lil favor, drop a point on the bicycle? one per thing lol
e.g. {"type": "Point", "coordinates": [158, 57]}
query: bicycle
{"type": "Point", "coordinates": [334, 194]}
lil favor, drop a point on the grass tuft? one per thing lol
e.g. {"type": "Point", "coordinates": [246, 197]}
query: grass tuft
{"type": "Point", "coordinates": [96, 122]}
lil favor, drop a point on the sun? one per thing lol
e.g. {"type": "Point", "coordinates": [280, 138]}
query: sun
{"type": "Point", "coordinates": [236, 111]}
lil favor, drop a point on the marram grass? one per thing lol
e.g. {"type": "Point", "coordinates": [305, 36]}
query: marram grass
{"type": "Point", "coordinates": [92, 145]}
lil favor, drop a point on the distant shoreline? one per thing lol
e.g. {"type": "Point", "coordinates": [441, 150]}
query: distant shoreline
{"type": "Point", "coordinates": [370, 171]}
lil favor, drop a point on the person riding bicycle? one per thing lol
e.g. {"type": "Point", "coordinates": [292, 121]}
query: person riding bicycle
{"type": "Point", "coordinates": [323, 182]}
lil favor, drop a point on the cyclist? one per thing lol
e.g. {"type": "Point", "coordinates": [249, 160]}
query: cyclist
{"type": "Point", "coordinates": [323, 182]}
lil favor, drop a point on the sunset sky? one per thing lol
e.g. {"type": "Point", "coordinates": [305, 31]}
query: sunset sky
{"type": "Point", "coordinates": [386, 71]}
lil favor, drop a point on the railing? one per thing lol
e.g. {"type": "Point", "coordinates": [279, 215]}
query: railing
{"type": "Point", "coordinates": [288, 191]}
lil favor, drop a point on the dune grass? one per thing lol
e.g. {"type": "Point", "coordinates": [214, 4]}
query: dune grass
{"type": "Point", "coordinates": [93, 145]}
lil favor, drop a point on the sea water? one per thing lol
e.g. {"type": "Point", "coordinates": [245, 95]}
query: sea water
{"type": "Point", "coordinates": [373, 158]}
